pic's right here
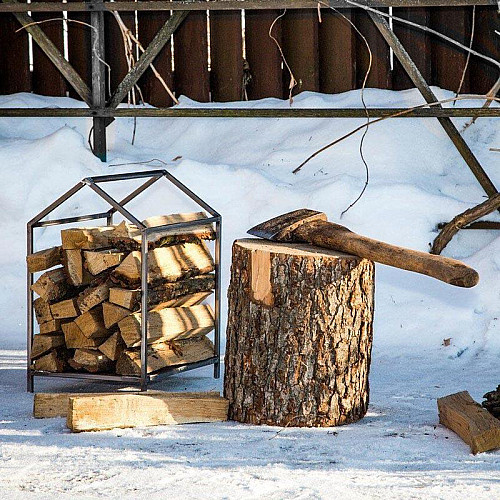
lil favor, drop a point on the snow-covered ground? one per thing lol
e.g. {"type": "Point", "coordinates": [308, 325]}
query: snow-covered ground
{"type": "Point", "coordinates": [242, 167]}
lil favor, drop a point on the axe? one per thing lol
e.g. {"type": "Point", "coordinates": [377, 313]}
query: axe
{"type": "Point", "coordinates": [313, 227]}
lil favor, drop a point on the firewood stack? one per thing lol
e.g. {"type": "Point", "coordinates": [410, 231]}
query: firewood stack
{"type": "Point", "coordinates": [492, 403]}
{"type": "Point", "coordinates": [88, 309]}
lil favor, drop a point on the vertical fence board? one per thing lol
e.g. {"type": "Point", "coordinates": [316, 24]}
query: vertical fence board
{"type": "Point", "coordinates": [15, 75]}
{"type": "Point", "coordinates": [191, 58]}
{"type": "Point", "coordinates": [114, 47]}
{"type": "Point", "coordinates": [79, 47]}
{"type": "Point", "coordinates": [417, 44]}
{"type": "Point", "coordinates": [263, 55]}
{"type": "Point", "coordinates": [300, 46]}
{"type": "Point", "coordinates": [152, 90]}
{"type": "Point", "coordinates": [448, 61]}
{"type": "Point", "coordinates": [482, 73]}
{"type": "Point", "coordinates": [226, 56]}
{"type": "Point", "coordinates": [47, 80]}
{"type": "Point", "coordinates": [380, 73]}
{"type": "Point", "coordinates": [337, 52]}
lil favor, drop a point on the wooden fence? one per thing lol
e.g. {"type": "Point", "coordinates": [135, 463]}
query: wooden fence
{"type": "Point", "coordinates": [209, 49]}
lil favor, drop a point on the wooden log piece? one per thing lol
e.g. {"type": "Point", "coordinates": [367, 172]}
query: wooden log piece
{"type": "Point", "coordinates": [75, 339]}
{"type": "Point", "coordinates": [51, 285]}
{"type": "Point", "coordinates": [86, 238]}
{"type": "Point", "coordinates": [460, 413]}
{"type": "Point", "coordinates": [45, 343]}
{"type": "Point", "coordinates": [166, 354]}
{"type": "Point", "coordinates": [54, 361]}
{"type": "Point", "coordinates": [65, 309]}
{"type": "Point", "coordinates": [299, 335]}
{"type": "Point", "coordinates": [168, 323]}
{"type": "Point", "coordinates": [92, 413]}
{"type": "Point", "coordinates": [97, 262]}
{"type": "Point", "coordinates": [52, 326]}
{"type": "Point", "coordinates": [73, 263]}
{"type": "Point", "coordinates": [42, 311]}
{"type": "Point", "coordinates": [44, 259]}
{"type": "Point", "coordinates": [91, 323]}
{"type": "Point", "coordinates": [93, 296]}
{"type": "Point", "coordinates": [113, 347]}
{"type": "Point", "coordinates": [167, 264]}
{"type": "Point", "coordinates": [90, 360]}
{"type": "Point", "coordinates": [123, 297]}
{"type": "Point", "coordinates": [113, 313]}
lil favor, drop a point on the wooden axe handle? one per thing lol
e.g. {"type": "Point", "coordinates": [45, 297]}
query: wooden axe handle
{"type": "Point", "coordinates": [337, 237]}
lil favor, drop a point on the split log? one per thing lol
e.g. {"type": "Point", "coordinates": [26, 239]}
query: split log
{"type": "Point", "coordinates": [75, 339]}
{"type": "Point", "coordinates": [97, 262]}
{"type": "Point", "coordinates": [113, 347]}
{"type": "Point", "coordinates": [54, 361]}
{"type": "Point", "coordinates": [86, 238]}
{"type": "Point", "coordinates": [52, 286]}
{"type": "Point", "coordinates": [113, 313]}
{"type": "Point", "coordinates": [168, 323]}
{"type": "Point", "coordinates": [128, 236]}
{"type": "Point", "coordinates": [73, 263]}
{"type": "Point", "coordinates": [460, 413]}
{"type": "Point", "coordinates": [52, 326]}
{"type": "Point", "coordinates": [44, 259]}
{"type": "Point", "coordinates": [299, 335]}
{"type": "Point", "coordinates": [93, 296]}
{"type": "Point", "coordinates": [168, 354]}
{"type": "Point", "coordinates": [65, 309]}
{"type": "Point", "coordinates": [167, 264]}
{"type": "Point", "coordinates": [91, 323]}
{"type": "Point", "coordinates": [90, 360]}
{"type": "Point", "coordinates": [42, 311]}
{"type": "Point", "coordinates": [93, 413]}
{"type": "Point", "coordinates": [163, 292]}
{"type": "Point", "coordinates": [45, 343]}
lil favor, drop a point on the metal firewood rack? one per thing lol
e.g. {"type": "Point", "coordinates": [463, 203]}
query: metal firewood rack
{"type": "Point", "coordinates": [95, 183]}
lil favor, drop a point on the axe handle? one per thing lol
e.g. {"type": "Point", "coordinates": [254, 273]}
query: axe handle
{"type": "Point", "coordinates": [337, 237]}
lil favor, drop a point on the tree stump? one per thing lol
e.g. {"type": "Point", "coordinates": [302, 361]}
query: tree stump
{"type": "Point", "coordinates": [299, 335]}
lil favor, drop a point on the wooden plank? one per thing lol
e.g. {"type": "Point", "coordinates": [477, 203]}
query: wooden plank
{"type": "Point", "coordinates": [478, 428]}
{"type": "Point", "coordinates": [15, 74]}
{"type": "Point", "coordinates": [47, 79]}
{"type": "Point", "coordinates": [448, 61]}
{"type": "Point", "coordinates": [416, 42]}
{"type": "Point", "coordinates": [337, 52]}
{"type": "Point", "coordinates": [380, 74]}
{"type": "Point", "coordinates": [79, 47]}
{"type": "Point", "coordinates": [51, 285]}
{"type": "Point", "coordinates": [483, 74]}
{"type": "Point", "coordinates": [191, 75]}
{"type": "Point", "coordinates": [168, 323]}
{"type": "Point", "coordinates": [51, 405]}
{"type": "Point", "coordinates": [300, 47]}
{"type": "Point", "coordinates": [153, 91]}
{"type": "Point", "coordinates": [263, 55]}
{"type": "Point", "coordinates": [167, 263]}
{"type": "Point", "coordinates": [226, 56]}
{"type": "Point", "coordinates": [114, 47]}
{"type": "Point", "coordinates": [44, 259]}
{"type": "Point", "coordinates": [163, 355]}
{"type": "Point", "coordinates": [65, 309]}
{"type": "Point", "coordinates": [92, 413]}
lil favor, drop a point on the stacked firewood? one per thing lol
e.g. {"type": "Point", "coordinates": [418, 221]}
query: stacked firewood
{"type": "Point", "coordinates": [492, 403]}
{"type": "Point", "coordinates": [88, 307]}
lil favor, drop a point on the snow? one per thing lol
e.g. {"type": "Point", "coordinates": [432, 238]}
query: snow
{"type": "Point", "coordinates": [242, 167]}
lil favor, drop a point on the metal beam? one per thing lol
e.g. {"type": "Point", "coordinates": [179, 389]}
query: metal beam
{"type": "Point", "coordinates": [433, 112]}
{"type": "Point", "coordinates": [52, 52]}
{"type": "Point", "coordinates": [228, 5]}
{"type": "Point", "coordinates": [419, 81]}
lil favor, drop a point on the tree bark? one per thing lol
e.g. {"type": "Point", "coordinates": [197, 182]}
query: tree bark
{"type": "Point", "coordinates": [299, 335]}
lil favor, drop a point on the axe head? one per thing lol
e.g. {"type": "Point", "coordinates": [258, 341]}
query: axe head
{"type": "Point", "coordinates": [281, 228]}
